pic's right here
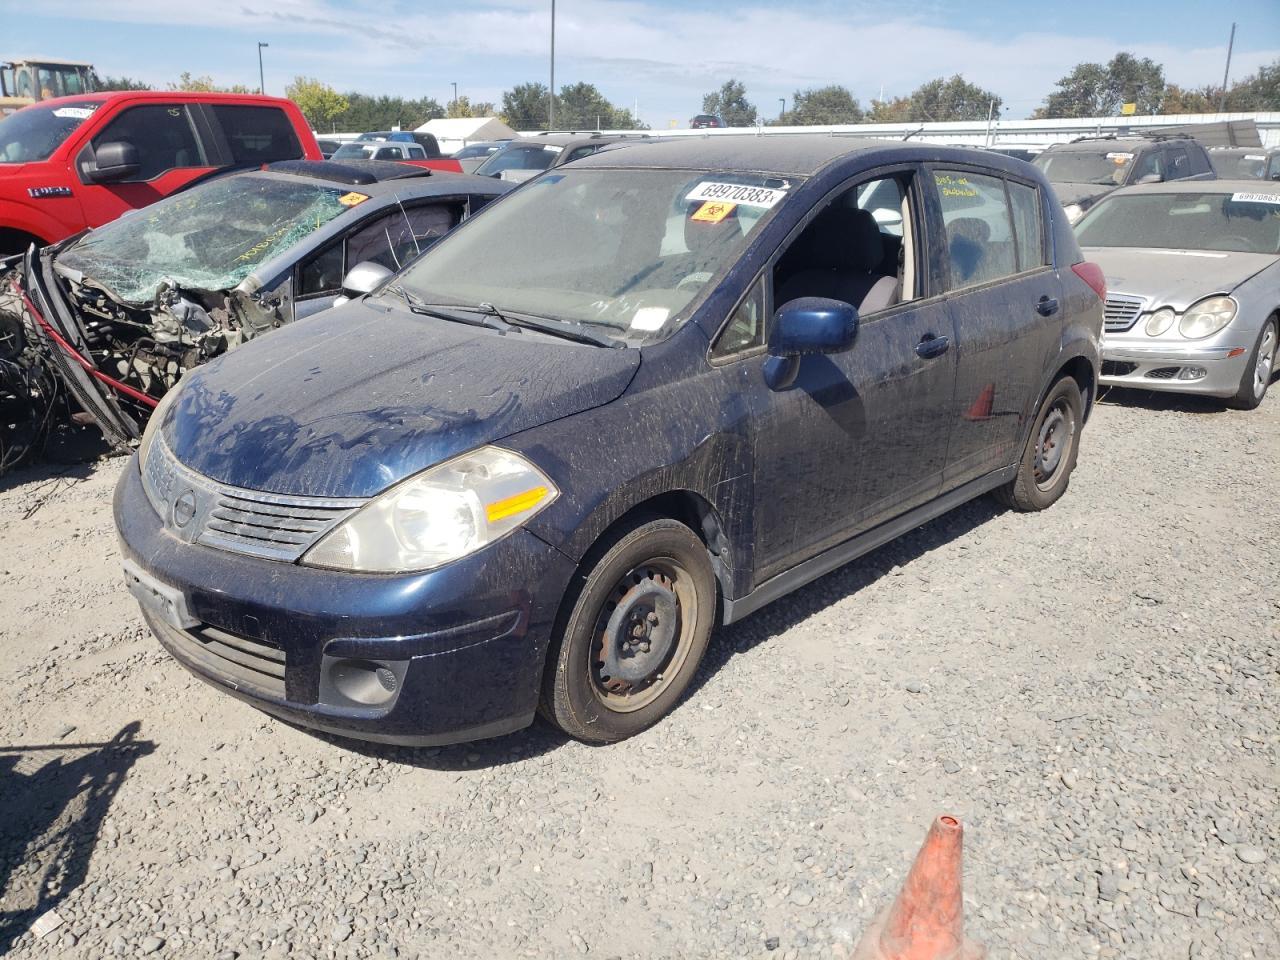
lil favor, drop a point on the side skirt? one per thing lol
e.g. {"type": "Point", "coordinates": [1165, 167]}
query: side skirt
{"type": "Point", "coordinates": [815, 567]}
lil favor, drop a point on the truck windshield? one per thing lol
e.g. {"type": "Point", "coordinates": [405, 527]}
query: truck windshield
{"type": "Point", "coordinates": [33, 133]}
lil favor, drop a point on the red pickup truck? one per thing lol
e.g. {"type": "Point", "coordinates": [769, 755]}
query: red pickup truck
{"type": "Point", "coordinates": [78, 162]}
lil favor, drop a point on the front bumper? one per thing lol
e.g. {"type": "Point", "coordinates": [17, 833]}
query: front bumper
{"type": "Point", "coordinates": [1149, 363]}
{"type": "Point", "coordinates": [462, 647]}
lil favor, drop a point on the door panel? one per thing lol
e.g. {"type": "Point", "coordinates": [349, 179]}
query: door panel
{"type": "Point", "coordinates": [859, 438]}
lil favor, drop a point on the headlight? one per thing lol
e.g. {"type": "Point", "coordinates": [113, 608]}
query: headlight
{"type": "Point", "coordinates": [438, 516]}
{"type": "Point", "coordinates": [153, 423]}
{"type": "Point", "coordinates": [1074, 212]}
{"type": "Point", "coordinates": [1207, 317]}
{"type": "Point", "coordinates": [1160, 322]}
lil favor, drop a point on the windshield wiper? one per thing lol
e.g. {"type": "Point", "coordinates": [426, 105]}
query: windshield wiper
{"type": "Point", "coordinates": [418, 306]}
{"type": "Point", "coordinates": [568, 329]}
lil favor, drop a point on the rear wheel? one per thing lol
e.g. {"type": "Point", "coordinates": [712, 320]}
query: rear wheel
{"type": "Point", "coordinates": [635, 635]}
{"type": "Point", "coordinates": [1257, 372]}
{"type": "Point", "coordinates": [1050, 455]}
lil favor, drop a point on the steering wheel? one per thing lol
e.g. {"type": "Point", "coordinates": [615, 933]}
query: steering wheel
{"type": "Point", "coordinates": [699, 278]}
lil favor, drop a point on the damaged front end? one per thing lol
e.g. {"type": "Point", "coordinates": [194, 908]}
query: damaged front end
{"type": "Point", "coordinates": [118, 359]}
{"type": "Point", "coordinates": [29, 394]}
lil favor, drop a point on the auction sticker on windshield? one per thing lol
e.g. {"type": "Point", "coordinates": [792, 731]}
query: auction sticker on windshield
{"type": "Point", "coordinates": [353, 198]}
{"type": "Point", "coordinates": [74, 113]}
{"type": "Point", "coordinates": [1272, 198]}
{"type": "Point", "coordinates": [740, 193]}
{"type": "Point", "coordinates": [1119, 157]}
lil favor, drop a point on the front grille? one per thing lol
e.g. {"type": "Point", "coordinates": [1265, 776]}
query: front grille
{"type": "Point", "coordinates": [1117, 368]}
{"type": "Point", "coordinates": [1163, 373]}
{"type": "Point", "coordinates": [1121, 311]}
{"type": "Point", "coordinates": [201, 510]}
{"type": "Point", "coordinates": [251, 665]}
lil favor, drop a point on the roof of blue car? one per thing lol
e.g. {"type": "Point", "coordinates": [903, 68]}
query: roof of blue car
{"type": "Point", "coordinates": [798, 155]}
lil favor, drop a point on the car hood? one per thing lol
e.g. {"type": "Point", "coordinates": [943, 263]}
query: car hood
{"type": "Point", "coordinates": [1082, 193]}
{"type": "Point", "coordinates": [355, 399]}
{"type": "Point", "coordinates": [1175, 278]}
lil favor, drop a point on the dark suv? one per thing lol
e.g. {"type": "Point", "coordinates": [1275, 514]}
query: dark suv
{"type": "Point", "coordinates": [649, 392]}
{"type": "Point", "coordinates": [525, 158]}
{"type": "Point", "coordinates": [1086, 170]}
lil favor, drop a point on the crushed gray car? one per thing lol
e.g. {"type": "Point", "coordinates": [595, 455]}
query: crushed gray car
{"type": "Point", "coordinates": [123, 311]}
{"type": "Point", "coordinates": [1193, 286]}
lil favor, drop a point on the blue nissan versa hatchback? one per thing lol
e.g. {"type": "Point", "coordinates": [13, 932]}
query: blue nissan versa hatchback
{"type": "Point", "coordinates": [648, 392]}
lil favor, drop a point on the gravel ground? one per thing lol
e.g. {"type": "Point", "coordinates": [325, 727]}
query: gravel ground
{"type": "Point", "coordinates": [1094, 690]}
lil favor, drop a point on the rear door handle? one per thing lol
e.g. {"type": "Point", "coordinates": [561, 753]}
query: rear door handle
{"type": "Point", "coordinates": [1046, 306]}
{"type": "Point", "coordinates": [931, 346]}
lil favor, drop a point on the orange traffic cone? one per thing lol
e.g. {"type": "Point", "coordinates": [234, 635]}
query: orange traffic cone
{"type": "Point", "coordinates": [926, 922]}
{"type": "Point", "coordinates": [981, 408]}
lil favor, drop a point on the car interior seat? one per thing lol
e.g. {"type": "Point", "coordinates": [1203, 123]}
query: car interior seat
{"type": "Point", "coordinates": [968, 238]}
{"type": "Point", "coordinates": [839, 255]}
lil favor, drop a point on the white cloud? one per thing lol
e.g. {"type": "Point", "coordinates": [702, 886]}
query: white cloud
{"type": "Point", "coordinates": [667, 56]}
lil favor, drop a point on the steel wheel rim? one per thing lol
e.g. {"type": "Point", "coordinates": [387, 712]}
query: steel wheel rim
{"type": "Point", "coordinates": [1057, 431]}
{"type": "Point", "coordinates": [646, 672]}
{"type": "Point", "coordinates": [1266, 358]}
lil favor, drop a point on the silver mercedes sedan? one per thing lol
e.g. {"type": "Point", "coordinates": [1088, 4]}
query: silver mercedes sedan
{"type": "Point", "coordinates": [1193, 286]}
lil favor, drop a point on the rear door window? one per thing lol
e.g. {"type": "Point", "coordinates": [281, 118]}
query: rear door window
{"type": "Point", "coordinates": [257, 134]}
{"type": "Point", "coordinates": [979, 229]}
{"type": "Point", "coordinates": [1179, 161]}
{"type": "Point", "coordinates": [1028, 225]}
{"type": "Point", "coordinates": [390, 153]}
{"type": "Point", "coordinates": [163, 135]}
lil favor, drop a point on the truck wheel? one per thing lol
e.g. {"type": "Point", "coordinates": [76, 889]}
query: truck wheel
{"type": "Point", "coordinates": [1045, 468]}
{"type": "Point", "coordinates": [635, 635]}
{"type": "Point", "coordinates": [1257, 372]}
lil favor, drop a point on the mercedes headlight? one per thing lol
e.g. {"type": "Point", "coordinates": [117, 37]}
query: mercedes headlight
{"type": "Point", "coordinates": [438, 516]}
{"type": "Point", "coordinates": [1207, 317]}
{"type": "Point", "coordinates": [1074, 212]}
{"type": "Point", "coordinates": [1160, 322]}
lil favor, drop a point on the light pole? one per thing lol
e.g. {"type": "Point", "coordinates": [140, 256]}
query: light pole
{"type": "Point", "coordinates": [262, 86]}
{"type": "Point", "coordinates": [782, 107]}
{"type": "Point", "coordinates": [1222, 100]}
{"type": "Point", "coordinates": [551, 109]}
{"type": "Point", "coordinates": [455, 95]}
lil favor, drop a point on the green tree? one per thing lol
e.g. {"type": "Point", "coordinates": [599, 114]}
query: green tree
{"type": "Point", "coordinates": [101, 82]}
{"type": "Point", "coordinates": [1258, 91]}
{"type": "Point", "coordinates": [463, 107]}
{"type": "Point", "coordinates": [730, 104]}
{"type": "Point", "coordinates": [1200, 100]}
{"type": "Point", "coordinates": [939, 100]}
{"type": "Point", "coordinates": [525, 106]}
{"type": "Point", "coordinates": [581, 106]}
{"type": "Point", "coordinates": [205, 84]}
{"type": "Point", "coordinates": [319, 102]}
{"type": "Point", "coordinates": [365, 113]}
{"type": "Point", "coordinates": [1099, 90]}
{"type": "Point", "coordinates": [822, 106]}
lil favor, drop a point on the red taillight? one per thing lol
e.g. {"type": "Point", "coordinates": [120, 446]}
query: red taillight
{"type": "Point", "coordinates": [1092, 274]}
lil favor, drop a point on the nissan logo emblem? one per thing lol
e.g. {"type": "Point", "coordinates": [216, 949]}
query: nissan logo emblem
{"type": "Point", "coordinates": [184, 508]}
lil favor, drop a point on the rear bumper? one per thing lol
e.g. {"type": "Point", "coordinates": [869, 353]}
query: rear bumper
{"type": "Point", "coordinates": [1190, 368]}
{"type": "Point", "coordinates": [460, 649]}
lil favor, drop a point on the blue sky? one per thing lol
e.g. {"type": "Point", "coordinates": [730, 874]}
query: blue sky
{"type": "Point", "coordinates": [661, 55]}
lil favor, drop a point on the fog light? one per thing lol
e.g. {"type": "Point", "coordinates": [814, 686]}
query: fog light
{"type": "Point", "coordinates": [1192, 373]}
{"type": "Point", "coordinates": [371, 683]}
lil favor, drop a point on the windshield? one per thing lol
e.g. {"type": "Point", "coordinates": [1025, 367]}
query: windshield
{"type": "Point", "coordinates": [520, 158]}
{"type": "Point", "coordinates": [356, 151]}
{"type": "Point", "coordinates": [626, 250]}
{"type": "Point", "coordinates": [475, 150]}
{"type": "Point", "coordinates": [209, 238]}
{"type": "Point", "coordinates": [1239, 164]}
{"type": "Point", "coordinates": [1079, 166]}
{"type": "Point", "coordinates": [1239, 222]}
{"type": "Point", "coordinates": [32, 134]}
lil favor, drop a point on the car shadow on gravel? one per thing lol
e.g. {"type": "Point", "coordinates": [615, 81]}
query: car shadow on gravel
{"type": "Point", "coordinates": [51, 812]}
{"type": "Point", "coordinates": [791, 610]}
{"type": "Point", "coordinates": [532, 741]}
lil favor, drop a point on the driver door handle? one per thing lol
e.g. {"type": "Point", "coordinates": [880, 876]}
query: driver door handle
{"type": "Point", "coordinates": [931, 346]}
{"type": "Point", "coordinates": [1046, 306]}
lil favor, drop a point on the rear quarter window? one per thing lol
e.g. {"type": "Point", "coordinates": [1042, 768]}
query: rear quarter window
{"type": "Point", "coordinates": [257, 134]}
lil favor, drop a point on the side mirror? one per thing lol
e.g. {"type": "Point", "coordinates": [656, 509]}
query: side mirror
{"type": "Point", "coordinates": [804, 326]}
{"type": "Point", "coordinates": [117, 160]}
{"type": "Point", "coordinates": [365, 277]}
{"type": "Point", "coordinates": [1151, 178]}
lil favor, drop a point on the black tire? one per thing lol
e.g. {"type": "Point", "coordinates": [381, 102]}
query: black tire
{"type": "Point", "coordinates": [645, 607]}
{"type": "Point", "coordinates": [1041, 480]}
{"type": "Point", "coordinates": [1253, 382]}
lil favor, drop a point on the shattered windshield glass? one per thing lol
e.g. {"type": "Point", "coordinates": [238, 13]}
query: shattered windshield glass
{"type": "Point", "coordinates": [209, 238]}
{"type": "Point", "coordinates": [33, 134]}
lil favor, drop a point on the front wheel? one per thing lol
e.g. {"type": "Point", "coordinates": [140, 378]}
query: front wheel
{"type": "Point", "coordinates": [1050, 455]}
{"type": "Point", "coordinates": [635, 635]}
{"type": "Point", "coordinates": [1257, 372]}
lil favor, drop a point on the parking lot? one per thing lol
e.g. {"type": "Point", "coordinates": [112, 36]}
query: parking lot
{"type": "Point", "coordinates": [1093, 690]}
